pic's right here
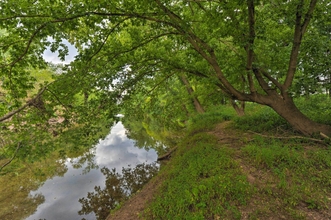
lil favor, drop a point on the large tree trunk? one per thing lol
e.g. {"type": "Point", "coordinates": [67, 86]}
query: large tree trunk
{"type": "Point", "coordinates": [287, 109]}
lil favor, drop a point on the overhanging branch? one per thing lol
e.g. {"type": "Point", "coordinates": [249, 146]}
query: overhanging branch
{"type": "Point", "coordinates": [8, 162]}
{"type": "Point", "coordinates": [27, 104]}
{"type": "Point", "coordinates": [299, 31]}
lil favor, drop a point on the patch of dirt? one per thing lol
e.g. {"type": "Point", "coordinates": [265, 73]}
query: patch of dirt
{"type": "Point", "coordinates": [264, 203]}
{"type": "Point", "coordinates": [134, 207]}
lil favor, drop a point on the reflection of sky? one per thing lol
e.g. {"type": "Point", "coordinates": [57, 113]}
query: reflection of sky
{"type": "Point", "coordinates": [62, 193]}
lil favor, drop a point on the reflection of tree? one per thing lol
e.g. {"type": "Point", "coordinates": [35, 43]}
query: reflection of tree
{"type": "Point", "coordinates": [145, 135]}
{"type": "Point", "coordinates": [118, 188]}
{"type": "Point", "coordinates": [137, 132]}
{"type": "Point", "coordinates": [87, 160]}
{"type": "Point", "coordinates": [17, 197]}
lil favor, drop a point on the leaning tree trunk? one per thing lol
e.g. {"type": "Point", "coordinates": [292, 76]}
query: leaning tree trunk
{"type": "Point", "coordinates": [287, 109]}
{"type": "Point", "coordinates": [239, 109]}
{"type": "Point", "coordinates": [197, 105]}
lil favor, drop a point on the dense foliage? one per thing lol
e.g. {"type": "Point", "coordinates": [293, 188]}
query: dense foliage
{"type": "Point", "coordinates": [163, 60]}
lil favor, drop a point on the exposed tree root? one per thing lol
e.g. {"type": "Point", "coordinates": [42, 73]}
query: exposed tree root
{"type": "Point", "coordinates": [167, 155]}
{"type": "Point", "coordinates": [295, 137]}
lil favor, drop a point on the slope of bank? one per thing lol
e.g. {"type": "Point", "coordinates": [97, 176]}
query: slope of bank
{"type": "Point", "coordinates": [221, 172]}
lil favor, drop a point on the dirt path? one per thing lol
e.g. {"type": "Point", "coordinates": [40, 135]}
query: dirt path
{"type": "Point", "coordinates": [134, 207]}
{"type": "Point", "coordinates": [260, 179]}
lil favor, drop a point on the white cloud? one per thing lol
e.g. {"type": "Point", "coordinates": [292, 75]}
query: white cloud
{"type": "Point", "coordinates": [62, 193]}
{"type": "Point", "coordinates": [49, 56]}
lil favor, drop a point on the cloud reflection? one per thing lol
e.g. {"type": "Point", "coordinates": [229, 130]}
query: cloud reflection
{"type": "Point", "coordinates": [62, 193]}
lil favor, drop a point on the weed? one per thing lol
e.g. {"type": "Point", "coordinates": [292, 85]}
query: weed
{"type": "Point", "coordinates": [204, 183]}
{"type": "Point", "coordinates": [264, 119]}
{"type": "Point", "coordinates": [301, 176]}
{"type": "Point", "coordinates": [207, 121]}
{"type": "Point", "coordinates": [261, 119]}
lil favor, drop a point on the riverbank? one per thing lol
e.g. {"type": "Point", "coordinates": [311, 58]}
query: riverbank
{"type": "Point", "coordinates": [222, 172]}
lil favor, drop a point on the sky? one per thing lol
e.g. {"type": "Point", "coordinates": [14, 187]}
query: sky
{"type": "Point", "coordinates": [53, 57]}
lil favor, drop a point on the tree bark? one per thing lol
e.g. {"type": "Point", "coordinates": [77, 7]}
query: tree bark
{"type": "Point", "coordinates": [286, 108]}
{"type": "Point", "coordinates": [240, 110]}
{"type": "Point", "coordinates": [196, 102]}
{"type": "Point", "coordinates": [27, 104]}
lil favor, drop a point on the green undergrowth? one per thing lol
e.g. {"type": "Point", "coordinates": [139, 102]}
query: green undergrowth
{"type": "Point", "coordinates": [295, 179]}
{"type": "Point", "coordinates": [202, 182]}
{"type": "Point", "coordinates": [316, 107]}
{"type": "Point", "coordinates": [260, 118]}
{"type": "Point", "coordinates": [208, 120]}
{"type": "Point", "coordinates": [250, 177]}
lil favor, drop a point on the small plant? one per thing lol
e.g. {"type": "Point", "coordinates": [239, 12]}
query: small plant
{"type": "Point", "coordinates": [261, 119]}
{"type": "Point", "coordinates": [204, 183]}
{"type": "Point", "coordinates": [208, 120]}
{"type": "Point", "coordinates": [296, 175]}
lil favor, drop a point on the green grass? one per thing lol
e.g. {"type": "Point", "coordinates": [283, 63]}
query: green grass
{"type": "Point", "coordinates": [207, 121]}
{"type": "Point", "coordinates": [202, 182]}
{"type": "Point", "coordinates": [263, 178]}
{"type": "Point", "coordinates": [260, 118]}
{"type": "Point", "coordinates": [296, 176]}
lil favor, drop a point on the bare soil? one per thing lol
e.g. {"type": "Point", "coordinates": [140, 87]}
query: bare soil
{"type": "Point", "coordinates": [134, 207]}
{"type": "Point", "coordinates": [261, 204]}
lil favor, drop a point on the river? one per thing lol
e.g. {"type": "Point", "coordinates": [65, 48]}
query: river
{"type": "Point", "coordinates": [62, 193]}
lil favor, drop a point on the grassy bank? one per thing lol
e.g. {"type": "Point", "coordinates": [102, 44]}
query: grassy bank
{"type": "Point", "coordinates": [225, 170]}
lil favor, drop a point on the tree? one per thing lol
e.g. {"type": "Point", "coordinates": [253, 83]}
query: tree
{"type": "Point", "coordinates": [190, 91]}
{"type": "Point", "coordinates": [249, 49]}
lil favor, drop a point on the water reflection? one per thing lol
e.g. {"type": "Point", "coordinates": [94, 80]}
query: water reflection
{"type": "Point", "coordinates": [61, 194]}
{"type": "Point", "coordinates": [15, 187]}
{"type": "Point", "coordinates": [118, 189]}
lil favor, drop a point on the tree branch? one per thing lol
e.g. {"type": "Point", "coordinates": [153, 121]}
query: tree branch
{"type": "Point", "coordinates": [57, 98]}
{"type": "Point", "coordinates": [273, 80]}
{"type": "Point", "coordinates": [106, 38]}
{"type": "Point", "coordinates": [204, 50]}
{"type": "Point", "coordinates": [159, 83]}
{"type": "Point", "coordinates": [291, 137]}
{"type": "Point", "coordinates": [299, 31]}
{"type": "Point", "coordinates": [64, 19]}
{"type": "Point", "coordinates": [308, 16]}
{"type": "Point", "coordinates": [28, 103]}
{"type": "Point", "coordinates": [8, 162]}
{"type": "Point", "coordinates": [264, 85]}
{"type": "Point", "coordinates": [167, 155]}
{"type": "Point", "coordinates": [250, 43]}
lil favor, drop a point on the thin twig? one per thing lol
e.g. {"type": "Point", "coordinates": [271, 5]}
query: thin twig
{"type": "Point", "coordinates": [57, 98]}
{"type": "Point", "coordinates": [8, 162]}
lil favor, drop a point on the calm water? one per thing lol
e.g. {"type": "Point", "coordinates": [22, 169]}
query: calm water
{"type": "Point", "coordinates": [62, 193]}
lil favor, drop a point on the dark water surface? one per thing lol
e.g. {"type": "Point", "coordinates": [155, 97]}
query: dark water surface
{"type": "Point", "coordinates": [62, 193]}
